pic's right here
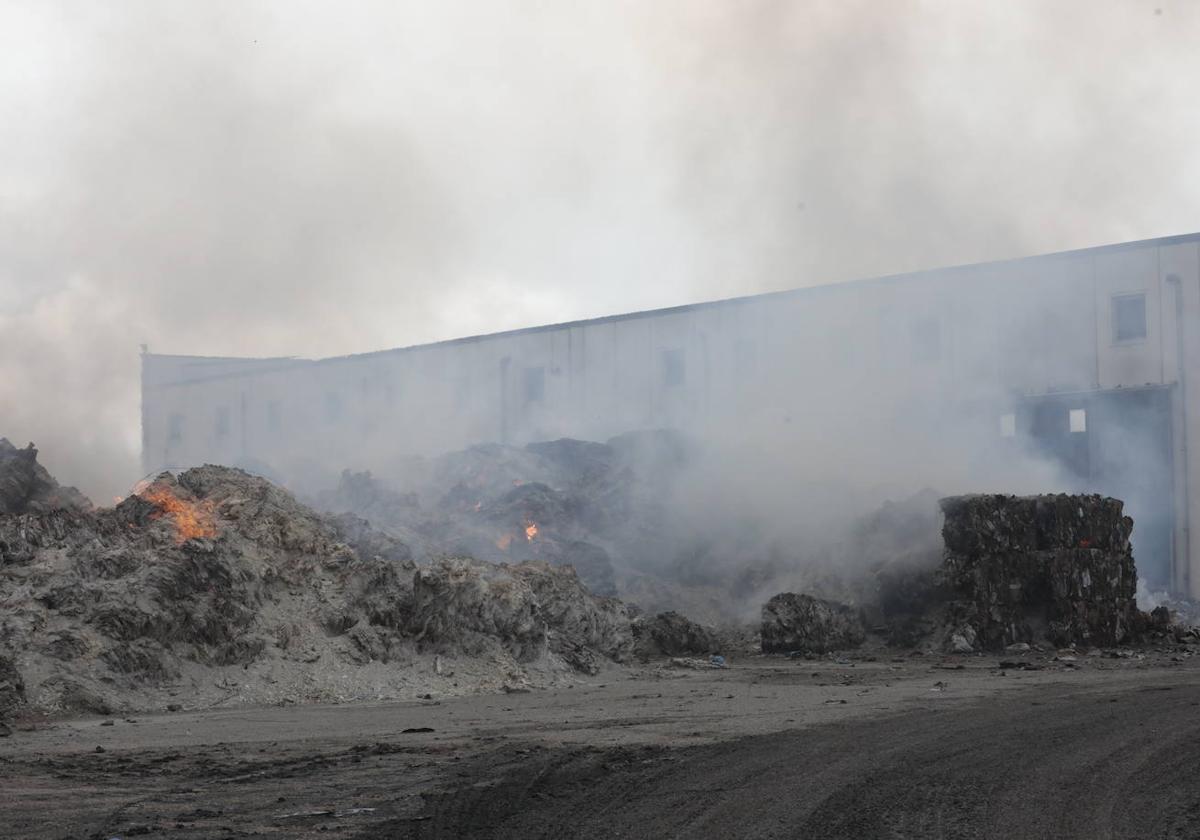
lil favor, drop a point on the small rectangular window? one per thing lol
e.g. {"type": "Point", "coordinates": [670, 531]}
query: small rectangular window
{"type": "Point", "coordinates": [534, 381]}
{"type": "Point", "coordinates": [221, 426]}
{"type": "Point", "coordinates": [926, 336]}
{"type": "Point", "coordinates": [674, 368]}
{"type": "Point", "coordinates": [1129, 318]}
{"type": "Point", "coordinates": [175, 429]}
{"type": "Point", "coordinates": [1008, 425]}
{"type": "Point", "coordinates": [1077, 420]}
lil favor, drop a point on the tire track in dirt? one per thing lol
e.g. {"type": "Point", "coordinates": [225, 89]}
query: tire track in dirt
{"type": "Point", "coordinates": [1061, 762]}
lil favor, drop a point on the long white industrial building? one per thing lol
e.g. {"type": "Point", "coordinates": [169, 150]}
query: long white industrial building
{"type": "Point", "coordinates": [1079, 359]}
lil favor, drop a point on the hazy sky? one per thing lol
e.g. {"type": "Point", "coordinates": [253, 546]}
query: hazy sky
{"type": "Point", "coordinates": [321, 178]}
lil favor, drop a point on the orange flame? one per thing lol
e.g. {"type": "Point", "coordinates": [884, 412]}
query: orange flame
{"type": "Point", "coordinates": [530, 530]}
{"type": "Point", "coordinates": [191, 519]}
{"type": "Point", "coordinates": [503, 541]}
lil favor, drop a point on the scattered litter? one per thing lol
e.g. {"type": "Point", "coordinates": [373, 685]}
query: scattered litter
{"type": "Point", "coordinates": [694, 664]}
{"type": "Point", "coordinates": [302, 814]}
{"type": "Point", "coordinates": [326, 812]}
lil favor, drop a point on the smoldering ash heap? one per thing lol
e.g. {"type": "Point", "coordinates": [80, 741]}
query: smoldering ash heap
{"type": "Point", "coordinates": [215, 571]}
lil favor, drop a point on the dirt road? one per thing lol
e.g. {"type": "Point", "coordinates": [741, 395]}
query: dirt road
{"type": "Point", "coordinates": [769, 749]}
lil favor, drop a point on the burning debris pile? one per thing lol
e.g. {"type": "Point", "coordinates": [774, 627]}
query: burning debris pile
{"type": "Point", "coordinates": [213, 569]}
{"type": "Point", "coordinates": [219, 579]}
{"type": "Point", "coordinates": [594, 506]}
{"type": "Point", "coordinates": [219, 586]}
{"type": "Point", "coordinates": [620, 513]}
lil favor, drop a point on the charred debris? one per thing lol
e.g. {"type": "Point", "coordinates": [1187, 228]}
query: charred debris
{"type": "Point", "coordinates": [1054, 570]}
{"type": "Point", "coordinates": [216, 586]}
{"type": "Point", "coordinates": [221, 587]}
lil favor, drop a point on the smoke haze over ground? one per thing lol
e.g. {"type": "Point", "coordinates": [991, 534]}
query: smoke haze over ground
{"type": "Point", "coordinates": [305, 179]}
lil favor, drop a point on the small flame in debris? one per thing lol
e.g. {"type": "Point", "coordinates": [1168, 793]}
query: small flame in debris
{"type": "Point", "coordinates": [531, 530]}
{"type": "Point", "coordinates": [502, 541]}
{"type": "Point", "coordinates": [191, 519]}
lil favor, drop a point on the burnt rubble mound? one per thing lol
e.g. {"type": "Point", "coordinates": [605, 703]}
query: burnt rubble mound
{"type": "Point", "coordinates": [627, 515]}
{"type": "Point", "coordinates": [216, 577]}
{"type": "Point", "coordinates": [12, 693]}
{"type": "Point", "coordinates": [26, 486]}
{"type": "Point", "coordinates": [564, 502]}
{"type": "Point", "coordinates": [794, 623]}
{"type": "Point", "coordinates": [1056, 567]}
{"type": "Point", "coordinates": [672, 634]}
{"type": "Point", "coordinates": [211, 569]}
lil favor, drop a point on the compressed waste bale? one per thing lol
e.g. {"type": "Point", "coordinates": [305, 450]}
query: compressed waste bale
{"type": "Point", "coordinates": [792, 622]}
{"type": "Point", "coordinates": [577, 620]}
{"type": "Point", "coordinates": [530, 608]}
{"type": "Point", "coordinates": [464, 602]}
{"type": "Point", "coordinates": [1053, 566]}
{"type": "Point", "coordinates": [672, 634]}
{"type": "Point", "coordinates": [994, 523]}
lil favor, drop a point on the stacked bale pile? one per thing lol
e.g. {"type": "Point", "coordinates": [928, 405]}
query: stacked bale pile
{"type": "Point", "coordinates": [1053, 566]}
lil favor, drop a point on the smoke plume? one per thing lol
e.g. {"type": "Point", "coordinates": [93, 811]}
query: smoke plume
{"type": "Point", "coordinates": [286, 178]}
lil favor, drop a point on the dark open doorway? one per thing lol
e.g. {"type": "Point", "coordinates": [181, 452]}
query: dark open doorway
{"type": "Point", "coordinates": [1117, 443]}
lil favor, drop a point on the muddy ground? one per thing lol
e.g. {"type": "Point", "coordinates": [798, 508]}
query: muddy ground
{"type": "Point", "coordinates": [879, 746]}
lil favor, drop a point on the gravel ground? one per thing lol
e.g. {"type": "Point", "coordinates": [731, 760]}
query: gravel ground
{"type": "Point", "coordinates": [883, 746]}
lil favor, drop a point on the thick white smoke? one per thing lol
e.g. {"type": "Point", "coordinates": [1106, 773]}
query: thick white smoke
{"type": "Point", "coordinates": [315, 178]}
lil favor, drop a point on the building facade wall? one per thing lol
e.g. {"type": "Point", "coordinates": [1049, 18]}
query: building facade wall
{"type": "Point", "coordinates": [940, 350]}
